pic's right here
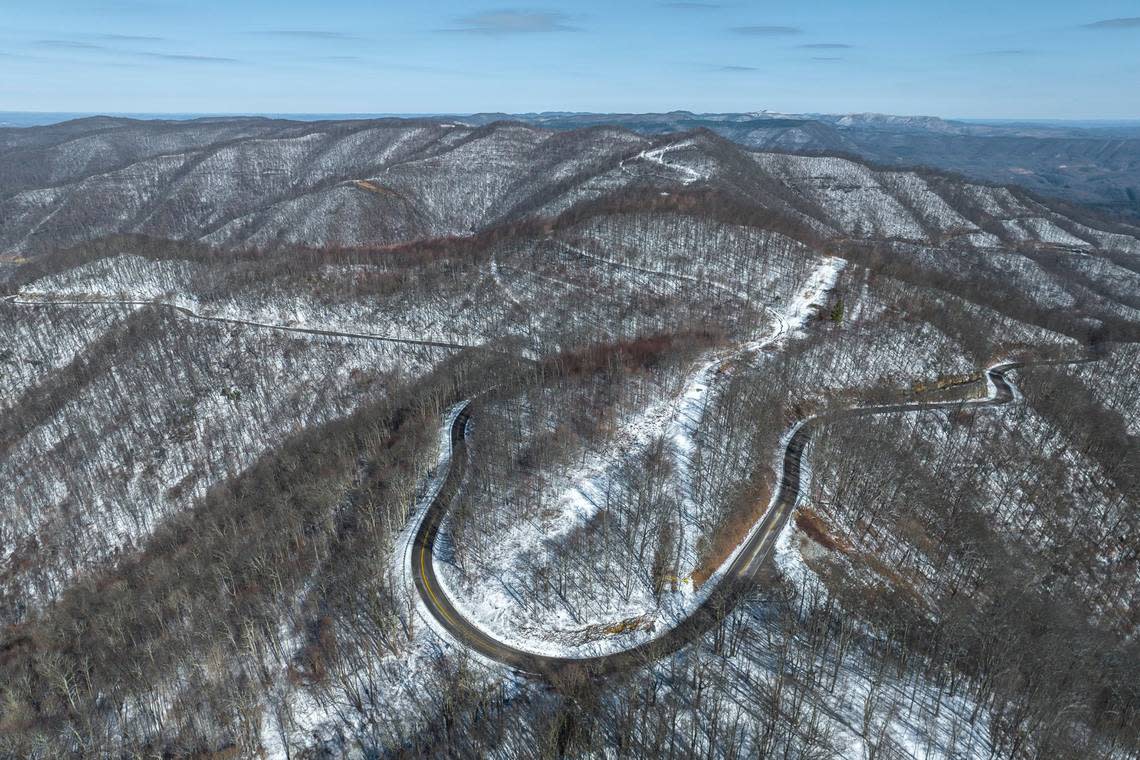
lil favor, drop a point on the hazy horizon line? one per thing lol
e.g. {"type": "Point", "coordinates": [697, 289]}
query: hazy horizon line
{"type": "Point", "coordinates": [333, 115]}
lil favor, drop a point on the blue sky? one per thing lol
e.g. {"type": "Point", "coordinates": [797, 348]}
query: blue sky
{"type": "Point", "coordinates": [963, 58]}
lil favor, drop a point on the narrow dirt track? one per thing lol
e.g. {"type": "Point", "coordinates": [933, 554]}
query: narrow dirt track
{"type": "Point", "coordinates": [190, 313]}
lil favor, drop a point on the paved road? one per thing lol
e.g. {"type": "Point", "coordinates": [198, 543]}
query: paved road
{"type": "Point", "coordinates": [737, 580]}
{"type": "Point", "coordinates": [739, 577]}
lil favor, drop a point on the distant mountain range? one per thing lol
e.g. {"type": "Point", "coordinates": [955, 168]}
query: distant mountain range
{"type": "Point", "coordinates": [1093, 163]}
{"type": "Point", "coordinates": [262, 183]}
{"type": "Point", "coordinates": [1087, 162]}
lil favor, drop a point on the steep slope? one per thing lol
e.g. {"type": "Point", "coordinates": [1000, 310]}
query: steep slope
{"type": "Point", "coordinates": [1093, 164]}
{"type": "Point", "coordinates": [216, 447]}
{"type": "Point", "coordinates": [249, 183]}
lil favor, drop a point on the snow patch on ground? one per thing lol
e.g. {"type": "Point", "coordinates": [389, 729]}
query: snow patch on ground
{"type": "Point", "coordinates": [896, 710]}
{"type": "Point", "coordinates": [491, 601]}
{"type": "Point", "coordinates": [688, 173]}
{"type": "Point", "coordinates": [323, 710]}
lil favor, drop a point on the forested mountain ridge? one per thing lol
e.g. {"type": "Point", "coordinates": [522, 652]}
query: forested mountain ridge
{"type": "Point", "coordinates": [1090, 163]}
{"type": "Point", "coordinates": [263, 183]}
{"type": "Point", "coordinates": [232, 351]}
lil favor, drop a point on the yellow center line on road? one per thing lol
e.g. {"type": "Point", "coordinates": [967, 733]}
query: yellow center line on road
{"type": "Point", "coordinates": [759, 548]}
{"type": "Point", "coordinates": [427, 585]}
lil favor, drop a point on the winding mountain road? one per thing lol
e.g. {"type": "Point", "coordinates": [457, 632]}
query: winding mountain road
{"type": "Point", "coordinates": [737, 579]}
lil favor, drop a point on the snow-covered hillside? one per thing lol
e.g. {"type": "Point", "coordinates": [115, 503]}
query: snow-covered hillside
{"type": "Point", "coordinates": [225, 435]}
{"type": "Point", "coordinates": [270, 184]}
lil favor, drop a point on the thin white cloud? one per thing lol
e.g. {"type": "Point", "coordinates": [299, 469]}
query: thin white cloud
{"type": "Point", "coordinates": [767, 30]}
{"type": "Point", "coordinates": [1131, 22]}
{"type": "Point", "coordinates": [513, 21]}
{"type": "Point", "coordinates": [1008, 53]}
{"type": "Point", "coordinates": [310, 34]}
{"type": "Point", "coordinates": [70, 45]}
{"type": "Point", "coordinates": [128, 38]}
{"type": "Point", "coordinates": [189, 58]}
